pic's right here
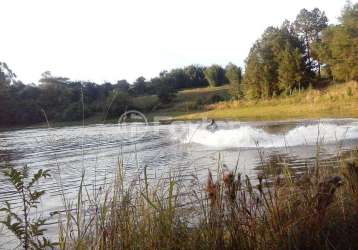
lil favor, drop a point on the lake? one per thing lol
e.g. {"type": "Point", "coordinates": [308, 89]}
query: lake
{"type": "Point", "coordinates": [180, 148]}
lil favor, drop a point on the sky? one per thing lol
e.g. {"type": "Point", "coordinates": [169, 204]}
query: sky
{"type": "Point", "coordinates": [107, 40]}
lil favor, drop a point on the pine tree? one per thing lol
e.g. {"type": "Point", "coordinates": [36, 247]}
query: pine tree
{"type": "Point", "coordinates": [289, 71]}
{"type": "Point", "coordinates": [339, 46]}
{"type": "Point", "coordinates": [276, 64]}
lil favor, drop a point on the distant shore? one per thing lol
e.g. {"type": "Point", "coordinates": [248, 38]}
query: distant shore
{"type": "Point", "coordinates": [335, 101]}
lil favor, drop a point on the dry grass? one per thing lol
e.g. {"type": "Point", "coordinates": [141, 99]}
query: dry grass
{"type": "Point", "coordinates": [316, 210]}
{"type": "Point", "coordinates": [191, 100]}
{"type": "Point", "coordinates": [338, 100]}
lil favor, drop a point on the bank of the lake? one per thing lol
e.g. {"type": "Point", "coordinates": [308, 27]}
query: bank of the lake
{"type": "Point", "coordinates": [337, 100]}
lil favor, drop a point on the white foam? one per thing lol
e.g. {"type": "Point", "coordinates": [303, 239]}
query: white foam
{"type": "Point", "coordinates": [249, 136]}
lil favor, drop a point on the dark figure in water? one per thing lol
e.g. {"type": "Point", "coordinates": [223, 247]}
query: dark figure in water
{"type": "Point", "coordinates": [212, 126]}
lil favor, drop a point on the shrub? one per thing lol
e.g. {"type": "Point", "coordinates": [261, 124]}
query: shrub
{"type": "Point", "coordinates": [29, 231]}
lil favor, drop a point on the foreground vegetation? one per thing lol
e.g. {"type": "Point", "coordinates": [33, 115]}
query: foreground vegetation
{"type": "Point", "coordinates": [314, 209]}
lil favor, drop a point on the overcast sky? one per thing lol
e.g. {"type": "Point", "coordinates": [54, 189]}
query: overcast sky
{"type": "Point", "coordinates": [123, 39]}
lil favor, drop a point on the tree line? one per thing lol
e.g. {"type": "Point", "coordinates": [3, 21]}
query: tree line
{"type": "Point", "coordinates": [284, 60]}
{"type": "Point", "coordinates": [302, 53]}
{"type": "Point", "coordinates": [61, 99]}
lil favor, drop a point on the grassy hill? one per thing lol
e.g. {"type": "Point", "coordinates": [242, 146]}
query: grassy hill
{"type": "Point", "coordinates": [187, 101]}
{"type": "Point", "coordinates": [337, 100]}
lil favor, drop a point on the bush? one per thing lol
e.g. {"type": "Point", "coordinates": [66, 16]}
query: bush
{"type": "Point", "coordinates": [28, 230]}
{"type": "Point", "coordinates": [216, 98]}
{"type": "Point", "coordinates": [166, 93]}
{"type": "Point", "coordinates": [146, 103]}
{"type": "Point", "coordinates": [75, 112]}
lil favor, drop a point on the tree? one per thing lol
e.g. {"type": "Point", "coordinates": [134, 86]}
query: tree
{"type": "Point", "coordinates": [166, 93]}
{"type": "Point", "coordinates": [3, 97]}
{"type": "Point", "coordinates": [195, 76]}
{"type": "Point", "coordinates": [176, 78]}
{"type": "Point", "coordinates": [215, 75]}
{"type": "Point", "coordinates": [309, 25]}
{"type": "Point", "coordinates": [122, 85]}
{"type": "Point", "coordinates": [290, 70]}
{"type": "Point", "coordinates": [339, 46]}
{"type": "Point", "coordinates": [139, 86]}
{"type": "Point", "coordinates": [54, 95]}
{"type": "Point", "coordinates": [233, 74]}
{"type": "Point", "coordinates": [276, 64]}
{"type": "Point", "coordinates": [24, 107]}
{"type": "Point", "coordinates": [7, 77]}
{"type": "Point", "coordinates": [253, 74]}
{"type": "Point", "coordinates": [117, 103]}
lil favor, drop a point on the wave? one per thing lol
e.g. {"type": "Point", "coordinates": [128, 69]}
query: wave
{"type": "Point", "coordinates": [247, 136]}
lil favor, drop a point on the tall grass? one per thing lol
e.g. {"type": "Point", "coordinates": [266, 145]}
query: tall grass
{"type": "Point", "coordinates": [317, 209]}
{"type": "Point", "coordinates": [338, 100]}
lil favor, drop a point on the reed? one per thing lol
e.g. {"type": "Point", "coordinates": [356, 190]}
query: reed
{"type": "Point", "coordinates": [279, 209]}
{"type": "Point", "coordinates": [316, 209]}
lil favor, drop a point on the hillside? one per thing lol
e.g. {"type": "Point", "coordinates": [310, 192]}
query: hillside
{"type": "Point", "coordinates": [337, 100]}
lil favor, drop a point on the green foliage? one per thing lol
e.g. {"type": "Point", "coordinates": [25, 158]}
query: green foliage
{"type": "Point", "coordinates": [117, 103]}
{"type": "Point", "coordinates": [29, 231]}
{"type": "Point", "coordinates": [74, 112]}
{"type": "Point", "coordinates": [166, 93]}
{"type": "Point", "coordinates": [309, 25]}
{"type": "Point", "coordinates": [276, 64]}
{"type": "Point", "coordinates": [180, 78]}
{"type": "Point", "coordinates": [290, 70]}
{"type": "Point", "coordinates": [60, 98]}
{"type": "Point", "coordinates": [122, 85]}
{"type": "Point", "coordinates": [195, 76]}
{"type": "Point", "coordinates": [215, 75]}
{"type": "Point", "coordinates": [233, 74]}
{"type": "Point", "coordinates": [339, 46]}
{"type": "Point", "coordinates": [176, 78]}
{"type": "Point", "coordinates": [139, 86]}
{"type": "Point", "coordinates": [6, 76]}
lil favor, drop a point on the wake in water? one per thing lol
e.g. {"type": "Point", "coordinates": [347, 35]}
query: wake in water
{"type": "Point", "coordinates": [246, 136]}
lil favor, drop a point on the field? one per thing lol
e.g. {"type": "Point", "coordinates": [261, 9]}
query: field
{"type": "Point", "coordinates": [186, 101]}
{"type": "Point", "coordinates": [334, 101]}
{"type": "Point", "coordinates": [338, 100]}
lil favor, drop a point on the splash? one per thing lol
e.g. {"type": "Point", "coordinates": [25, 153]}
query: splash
{"type": "Point", "coordinates": [246, 136]}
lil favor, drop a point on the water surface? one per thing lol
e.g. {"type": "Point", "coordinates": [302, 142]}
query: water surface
{"type": "Point", "coordinates": [181, 148]}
